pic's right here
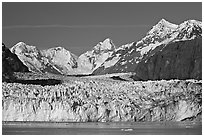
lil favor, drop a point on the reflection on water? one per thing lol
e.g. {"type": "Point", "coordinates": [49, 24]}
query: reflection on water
{"type": "Point", "coordinates": [113, 128]}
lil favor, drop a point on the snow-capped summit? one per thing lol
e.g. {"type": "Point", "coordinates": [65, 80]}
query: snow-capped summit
{"type": "Point", "coordinates": [29, 55]}
{"type": "Point", "coordinates": [189, 30]}
{"type": "Point", "coordinates": [54, 51]}
{"type": "Point", "coordinates": [162, 28]}
{"type": "Point", "coordinates": [61, 57]}
{"type": "Point", "coordinates": [168, 24]}
{"type": "Point", "coordinates": [182, 47]}
{"type": "Point", "coordinates": [164, 32]}
{"type": "Point", "coordinates": [22, 47]}
{"type": "Point", "coordinates": [160, 34]}
{"type": "Point", "coordinates": [191, 23]}
{"type": "Point", "coordinates": [106, 45]}
{"type": "Point", "coordinates": [91, 60]}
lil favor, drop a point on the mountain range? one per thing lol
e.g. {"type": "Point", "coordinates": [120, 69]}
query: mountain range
{"type": "Point", "coordinates": [167, 51]}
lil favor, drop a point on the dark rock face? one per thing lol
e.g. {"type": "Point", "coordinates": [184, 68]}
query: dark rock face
{"type": "Point", "coordinates": [10, 64]}
{"type": "Point", "coordinates": [179, 60]}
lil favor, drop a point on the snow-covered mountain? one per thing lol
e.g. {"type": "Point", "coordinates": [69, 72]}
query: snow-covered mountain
{"type": "Point", "coordinates": [91, 60]}
{"type": "Point", "coordinates": [29, 55]}
{"type": "Point", "coordinates": [177, 60]}
{"type": "Point", "coordinates": [104, 57]}
{"type": "Point", "coordinates": [63, 60]}
{"type": "Point", "coordinates": [188, 30]}
{"type": "Point", "coordinates": [126, 57]}
{"type": "Point", "coordinates": [55, 60]}
{"type": "Point", "coordinates": [58, 60]}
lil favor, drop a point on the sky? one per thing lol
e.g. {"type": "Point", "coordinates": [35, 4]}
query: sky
{"type": "Point", "coordinates": [80, 26]}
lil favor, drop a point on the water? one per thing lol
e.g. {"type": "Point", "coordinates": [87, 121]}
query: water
{"type": "Point", "coordinates": [93, 128]}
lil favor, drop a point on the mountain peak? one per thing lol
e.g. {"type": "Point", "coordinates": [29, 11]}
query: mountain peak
{"type": "Point", "coordinates": [191, 23]}
{"type": "Point", "coordinates": [106, 45]}
{"type": "Point", "coordinates": [56, 51]}
{"type": "Point", "coordinates": [167, 24]}
{"type": "Point", "coordinates": [163, 21]}
{"type": "Point", "coordinates": [163, 25]}
{"type": "Point", "coordinates": [22, 47]}
{"type": "Point", "coordinates": [58, 48]}
{"type": "Point", "coordinates": [21, 43]}
{"type": "Point", "coordinates": [188, 30]}
{"type": "Point", "coordinates": [108, 40]}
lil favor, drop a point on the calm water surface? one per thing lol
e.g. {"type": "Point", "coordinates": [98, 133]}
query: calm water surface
{"type": "Point", "coordinates": [112, 128]}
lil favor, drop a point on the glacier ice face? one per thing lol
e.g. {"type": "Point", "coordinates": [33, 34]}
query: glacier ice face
{"type": "Point", "coordinates": [103, 101]}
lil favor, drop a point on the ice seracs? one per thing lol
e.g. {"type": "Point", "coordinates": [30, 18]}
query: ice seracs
{"type": "Point", "coordinates": [83, 100]}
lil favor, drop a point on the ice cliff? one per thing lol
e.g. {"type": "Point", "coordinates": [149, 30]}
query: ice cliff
{"type": "Point", "coordinates": [102, 101]}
